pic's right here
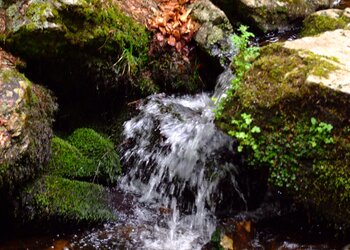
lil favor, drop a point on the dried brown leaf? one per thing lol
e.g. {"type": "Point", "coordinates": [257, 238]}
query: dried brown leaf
{"type": "Point", "coordinates": [171, 41]}
{"type": "Point", "coordinates": [184, 16]}
{"type": "Point", "coordinates": [160, 37]}
{"type": "Point", "coordinates": [176, 33]}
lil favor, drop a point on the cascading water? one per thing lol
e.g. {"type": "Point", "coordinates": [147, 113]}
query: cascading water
{"type": "Point", "coordinates": [178, 163]}
{"type": "Point", "coordinates": [178, 159]}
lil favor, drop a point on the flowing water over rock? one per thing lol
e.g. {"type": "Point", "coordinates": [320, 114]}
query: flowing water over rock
{"type": "Point", "coordinates": [178, 160]}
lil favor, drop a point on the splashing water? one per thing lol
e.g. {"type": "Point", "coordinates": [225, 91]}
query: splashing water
{"type": "Point", "coordinates": [178, 159]}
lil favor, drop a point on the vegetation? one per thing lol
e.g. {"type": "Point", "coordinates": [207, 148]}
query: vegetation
{"type": "Point", "coordinates": [240, 64]}
{"type": "Point", "coordinates": [94, 34]}
{"type": "Point", "coordinates": [67, 161]}
{"type": "Point", "coordinates": [293, 128]}
{"type": "Point", "coordinates": [99, 150]}
{"type": "Point", "coordinates": [318, 23]}
{"type": "Point", "coordinates": [85, 155]}
{"type": "Point", "coordinates": [57, 198]}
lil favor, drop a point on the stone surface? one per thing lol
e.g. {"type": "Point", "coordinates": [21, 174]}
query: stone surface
{"type": "Point", "coordinates": [332, 44]}
{"type": "Point", "coordinates": [26, 115]}
{"type": "Point", "coordinates": [270, 15]}
{"type": "Point", "coordinates": [215, 30]}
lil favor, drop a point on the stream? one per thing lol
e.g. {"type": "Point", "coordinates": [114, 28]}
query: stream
{"type": "Point", "coordinates": [178, 163]}
{"type": "Point", "coordinates": [172, 193]}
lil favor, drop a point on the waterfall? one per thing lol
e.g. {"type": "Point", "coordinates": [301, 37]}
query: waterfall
{"type": "Point", "coordinates": [176, 158]}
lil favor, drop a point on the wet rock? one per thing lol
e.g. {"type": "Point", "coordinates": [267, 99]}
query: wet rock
{"type": "Point", "coordinates": [295, 93]}
{"type": "Point", "coordinates": [215, 30]}
{"type": "Point", "coordinates": [326, 20]}
{"type": "Point", "coordinates": [26, 115]}
{"type": "Point", "coordinates": [269, 15]}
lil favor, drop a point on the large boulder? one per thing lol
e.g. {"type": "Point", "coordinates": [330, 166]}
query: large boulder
{"type": "Point", "coordinates": [290, 115]}
{"type": "Point", "coordinates": [269, 15]}
{"type": "Point", "coordinates": [26, 115]}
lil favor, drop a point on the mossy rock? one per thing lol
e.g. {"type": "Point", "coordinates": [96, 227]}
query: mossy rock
{"type": "Point", "coordinates": [99, 151]}
{"type": "Point", "coordinates": [303, 135]}
{"type": "Point", "coordinates": [26, 115]}
{"type": "Point", "coordinates": [95, 35]}
{"type": "Point", "coordinates": [95, 25]}
{"type": "Point", "coordinates": [326, 20]}
{"type": "Point", "coordinates": [53, 198]}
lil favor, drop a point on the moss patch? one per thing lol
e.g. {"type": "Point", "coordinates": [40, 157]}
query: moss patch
{"type": "Point", "coordinates": [316, 24]}
{"type": "Point", "coordinates": [99, 150]}
{"type": "Point", "coordinates": [282, 72]}
{"type": "Point", "coordinates": [85, 155]}
{"type": "Point", "coordinates": [95, 25]}
{"type": "Point", "coordinates": [55, 198]}
{"type": "Point", "coordinates": [67, 161]}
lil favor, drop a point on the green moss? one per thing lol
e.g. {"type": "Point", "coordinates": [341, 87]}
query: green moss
{"type": "Point", "coordinates": [282, 72]}
{"type": "Point", "coordinates": [99, 150]}
{"type": "Point", "coordinates": [67, 161]}
{"type": "Point", "coordinates": [316, 24]}
{"type": "Point", "coordinates": [92, 27]}
{"type": "Point", "coordinates": [61, 199]}
{"type": "Point", "coordinates": [330, 190]}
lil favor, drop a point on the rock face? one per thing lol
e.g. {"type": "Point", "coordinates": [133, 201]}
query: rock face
{"type": "Point", "coordinates": [26, 115]}
{"type": "Point", "coordinates": [326, 20]}
{"type": "Point", "coordinates": [296, 93]}
{"type": "Point", "coordinates": [330, 45]}
{"type": "Point", "coordinates": [270, 15]}
{"type": "Point", "coordinates": [215, 30]}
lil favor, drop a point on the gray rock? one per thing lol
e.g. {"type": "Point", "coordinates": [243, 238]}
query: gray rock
{"type": "Point", "coordinates": [215, 30]}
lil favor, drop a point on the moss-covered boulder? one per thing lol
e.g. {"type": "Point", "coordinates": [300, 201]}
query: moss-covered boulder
{"type": "Point", "coordinates": [290, 114]}
{"type": "Point", "coordinates": [269, 15]}
{"type": "Point", "coordinates": [326, 20]}
{"type": "Point", "coordinates": [53, 198]}
{"type": "Point", "coordinates": [86, 155]}
{"type": "Point", "coordinates": [95, 35]}
{"type": "Point", "coordinates": [26, 115]}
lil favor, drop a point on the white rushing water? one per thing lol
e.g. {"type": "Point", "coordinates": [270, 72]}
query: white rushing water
{"type": "Point", "coordinates": [176, 151]}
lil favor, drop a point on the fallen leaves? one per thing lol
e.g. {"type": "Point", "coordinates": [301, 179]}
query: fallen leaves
{"type": "Point", "coordinates": [173, 23]}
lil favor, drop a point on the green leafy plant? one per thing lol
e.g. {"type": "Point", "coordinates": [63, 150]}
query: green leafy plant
{"type": "Point", "coordinates": [321, 133]}
{"type": "Point", "coordinates": [244, 132]}
{"type": "Point", "coordinates": [283, 149]}
{"type": "Point", "coordinates": [240, 63]}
